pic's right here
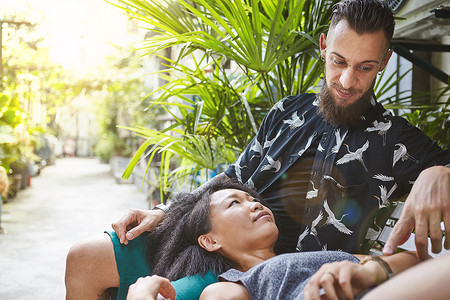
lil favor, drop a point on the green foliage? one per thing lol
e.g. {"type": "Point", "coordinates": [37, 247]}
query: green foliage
{"type": "Point", "coordinates": [434, 121]}
{"type": "Point", "coordinates": [122, 103]}
{"type": "Point", "coordinates": [274, 46]}
{"type": "Point", "coordinates": [11, 147]}
{"type": "Point", "coordinates": [216, 111]}
{"type": "Point", "coordinates": [432, 118]}
{"type": "Point", "coordinates": [111, 144]}
{"type": "Point", "coordinates": [30, 79]}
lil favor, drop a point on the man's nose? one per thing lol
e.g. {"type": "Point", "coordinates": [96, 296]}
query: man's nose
{"type": "Point", "coordinates": [348, 77]}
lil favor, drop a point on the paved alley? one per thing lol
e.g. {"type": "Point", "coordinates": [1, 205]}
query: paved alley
{"type": "Point", "coordinates": [72, 200]}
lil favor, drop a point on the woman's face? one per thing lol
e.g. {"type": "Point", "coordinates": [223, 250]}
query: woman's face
{"type": "Point", "coordinates": [241, 222]}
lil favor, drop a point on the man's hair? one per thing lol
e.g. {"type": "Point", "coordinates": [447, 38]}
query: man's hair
{"type": "Point", "coordinates": [365, 16]}
{"type": "Point", "coordinates": [172, 248]}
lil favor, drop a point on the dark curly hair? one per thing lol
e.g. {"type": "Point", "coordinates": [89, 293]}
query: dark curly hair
{"type": "Point", "coordinates": [365, 16]}
{"type": "Point", "coordinates": [172, 248]}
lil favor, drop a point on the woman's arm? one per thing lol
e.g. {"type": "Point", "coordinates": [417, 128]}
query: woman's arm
{"type": "Point", "coordinates": [427, 280]}
{"type": "Point", "coordinates": [346, 279]}
{"type": "Point", "coordinates": [225, 291]}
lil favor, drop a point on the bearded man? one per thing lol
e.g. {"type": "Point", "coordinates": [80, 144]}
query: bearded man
{"type": "Point", "coordinates": [325, 164]}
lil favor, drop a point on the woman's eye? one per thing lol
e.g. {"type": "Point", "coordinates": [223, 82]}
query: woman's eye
{"type": "Point", "coordinates": [234, 202]}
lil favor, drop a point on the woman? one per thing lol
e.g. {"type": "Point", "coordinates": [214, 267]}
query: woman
{"type": "Point", "coordinates": [227, 230]}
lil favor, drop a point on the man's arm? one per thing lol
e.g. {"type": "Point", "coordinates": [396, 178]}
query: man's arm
{"type": "Point", "coordinates": [137, 221]}
{"type": "Point", "coordinates": [427, 205]}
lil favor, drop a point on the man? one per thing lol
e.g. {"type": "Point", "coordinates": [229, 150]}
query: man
{"type": "Point", "coordinates": [324, 163]}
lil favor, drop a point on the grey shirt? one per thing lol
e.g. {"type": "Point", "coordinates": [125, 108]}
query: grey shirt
{"type": "Point", "coordinates": [284, 276]}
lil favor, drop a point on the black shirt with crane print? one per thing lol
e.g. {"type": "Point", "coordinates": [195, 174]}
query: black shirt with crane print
{"type": "Point", "coordinates": [326, 184]}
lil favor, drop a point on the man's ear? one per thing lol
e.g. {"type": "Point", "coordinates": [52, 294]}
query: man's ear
{"type": "Point", "coordinates": [208, 243]}
{"type": "Point", "coordinates": [323, 45]}
{"type": "Point", "coordinates": [385, 60]}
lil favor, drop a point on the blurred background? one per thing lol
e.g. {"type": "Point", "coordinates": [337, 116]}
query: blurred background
{"type": "Point", "coordinates": [70, 76]}
{"type": "Point", "coordinates": [96, 96]}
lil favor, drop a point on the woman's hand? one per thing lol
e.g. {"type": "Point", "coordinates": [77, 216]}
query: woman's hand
{"type": "Point", "coordinates": [147, 288]}
{"type": "Point", "coordinates": [343, 280]}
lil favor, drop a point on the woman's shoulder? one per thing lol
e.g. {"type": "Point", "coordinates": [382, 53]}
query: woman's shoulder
{"type": "Point", "coordinates": [225, 290]}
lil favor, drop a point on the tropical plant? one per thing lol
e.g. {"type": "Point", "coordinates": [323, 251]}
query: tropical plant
{"type": "Point", "coordinates": [274, 48]}
{"type": "Point", "coordinates": [432, 118]}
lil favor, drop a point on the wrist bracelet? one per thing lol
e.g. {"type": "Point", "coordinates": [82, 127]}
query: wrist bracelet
{"type": "Point", "coordinates": [387, 269]}
{"type": "Point", "coordinates": [162, 207]}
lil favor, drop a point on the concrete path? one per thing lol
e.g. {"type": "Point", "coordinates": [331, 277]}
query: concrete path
{"type": "Point", "coordinates": [70, 201]}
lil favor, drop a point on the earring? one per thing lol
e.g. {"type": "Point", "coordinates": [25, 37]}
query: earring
{"type": "Point", "coordinates": [379, 73]}
{"type": "Point", "coordinates": [322, 58]}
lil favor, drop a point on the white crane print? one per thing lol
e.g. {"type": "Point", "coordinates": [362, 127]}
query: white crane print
{"type": "Point", "coordinates": [272, 164]}
{"type": "Point", "coordinates": [269, 143]}
{"type": "Point", "coordinates": [383, 177]}
{"type": "Point", "coordinates": [250, 184]}
{"type": "Point", "coordinates": [237, 167]}
{"type": "Point", "coordinates": [308, 144]}
{"type": "Point", "coordinates": [316, 101]}
{"type": "Point", "coordinates": [256, 148]}
{"type": "Point", "coordinates": [402, 153]}
{"type": "Point", "coordinates": [320, 148]}
{"type": "Point", "coordinates": [279, 105]}
{"type": "Point", "coordinates": [357, 155]}
{"type": "Point", "coordinates": [314, 224]}
{"type": "Point", "coordinates": [327, 177]}
{"type": "Point", "coordinates": [339, 141]}
{"type": "Point", "coordinates": [384, 195]}
{"type": "Point", "coordinates": [312, 193]}
{"type": "Point", "coordinates": [295, 121]}
{"type": "Point", "coordinates": [301, 237]}
{"type": "Point", "coordinates": [373, 234]}
{"type": "Point", "coordinates": [335, 222]}
{"type": "Point", "coordinates": [382, 129]}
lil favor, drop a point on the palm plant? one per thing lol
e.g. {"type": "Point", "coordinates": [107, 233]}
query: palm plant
{"type": "Point", "coordinates": [274, 46]}
{"type": "Point", "coordinates": [432, 118]}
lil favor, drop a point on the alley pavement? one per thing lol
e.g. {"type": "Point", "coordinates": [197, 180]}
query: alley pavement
{"type": "Point", "coordinates": [74, 199]}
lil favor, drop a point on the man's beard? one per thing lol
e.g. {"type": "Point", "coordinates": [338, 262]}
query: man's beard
{"type": "Point", "coordinates": [348, 115]}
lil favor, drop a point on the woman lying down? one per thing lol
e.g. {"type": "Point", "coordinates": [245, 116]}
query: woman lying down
{"type": "Point", "coordinates": [227, 230]}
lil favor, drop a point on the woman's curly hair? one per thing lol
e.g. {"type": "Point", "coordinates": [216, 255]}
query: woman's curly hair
{"type": "Point", "coordinates": [172, 248]}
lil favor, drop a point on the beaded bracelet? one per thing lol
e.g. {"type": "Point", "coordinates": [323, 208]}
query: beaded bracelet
{"type": "Point", "coordinates": [387, 269]}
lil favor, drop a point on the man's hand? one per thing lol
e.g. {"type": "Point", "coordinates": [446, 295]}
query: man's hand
{"type": "Point", "coordinates": [426, 207]}
{"type": "Point", "coordinates": [135, 222]}
{"type": "Point", "coordinates": [147, 288]}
